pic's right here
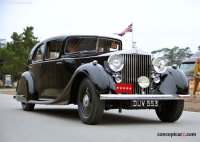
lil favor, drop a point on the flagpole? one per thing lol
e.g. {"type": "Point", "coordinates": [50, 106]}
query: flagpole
{"type": "Point", "coordinates": [132, 34]}
{"type": "Point", "coordinates": [128, 29]}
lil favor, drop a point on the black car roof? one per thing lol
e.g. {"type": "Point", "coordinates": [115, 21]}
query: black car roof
{"type": "Point", "coordinates": [66, 36]}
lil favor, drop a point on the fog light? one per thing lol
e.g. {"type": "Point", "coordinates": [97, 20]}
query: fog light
{"type": "Point", "coordinates": [156, 79]}
{"type": "Point", "coordinates": [143, 81]}
{"type": "Point", "coordinates": [118, 78]}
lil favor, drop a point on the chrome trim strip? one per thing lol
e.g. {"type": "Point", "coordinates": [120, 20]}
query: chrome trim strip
{"type": "Point", "coordinates": [40, 102]}
{"type": "Point", "coordinates": [143, 97]}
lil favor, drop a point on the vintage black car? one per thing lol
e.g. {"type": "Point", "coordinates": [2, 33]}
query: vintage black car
{"type": "Point", "coordinates": [96, 74]}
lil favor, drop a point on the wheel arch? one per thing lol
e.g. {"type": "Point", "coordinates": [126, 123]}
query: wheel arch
{"type": "Point", "coordinates": [101, 81]}
{"type": "Point", "coordinates": [27, 82]}
{"type": "Point", "coordinates": [75, 85]}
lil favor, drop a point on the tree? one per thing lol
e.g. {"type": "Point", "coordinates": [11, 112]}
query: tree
{"type": "Point", "coordinates": [2, 42]}
{"type": "Point", "coordinates": [14, 56]}
{"type": "Point", "coordinates": [174, 55]}
{"type": "Point", "coordinates": [29, 39]}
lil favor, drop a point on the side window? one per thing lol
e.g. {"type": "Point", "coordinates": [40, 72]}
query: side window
{"type": "Point", "coordinates": [108, 45]}
{"type": "Point", "coordinates": [53, 49]}
{"type": "Point", "coordinates": [39, 53]}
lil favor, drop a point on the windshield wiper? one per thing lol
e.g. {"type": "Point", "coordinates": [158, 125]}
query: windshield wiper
{"type": "Point", "coordinates": [86, 53]}
{"type": "Point", "coordinates": [71, 55]}
{"type": "Point", "coordinates": [81, 53]}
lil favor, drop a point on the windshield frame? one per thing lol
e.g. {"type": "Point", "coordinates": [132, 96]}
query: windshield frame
{"type": "Point", "coordinates": [95, 44]}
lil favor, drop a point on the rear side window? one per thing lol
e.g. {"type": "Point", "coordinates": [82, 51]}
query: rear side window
{"type": "Point", "coordinates": [53, 49]}
{"type": "Point", "coordinates": [38, 55]}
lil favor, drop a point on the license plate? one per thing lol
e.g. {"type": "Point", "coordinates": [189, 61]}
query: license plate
{"type": "Point", "coordinates": [148, 103]}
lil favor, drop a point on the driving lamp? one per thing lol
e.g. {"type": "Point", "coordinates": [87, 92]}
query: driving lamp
{"type": "Point", "coordinates": [159, 65]}
{"type": "Point", "coordinates": [116, 62]}
{"type": "Point", "coordinates": [156, 79]}
{"type": "Point", "coordinates": [143, 81]}
{"type": "Point", "coordinates": [118, 78]}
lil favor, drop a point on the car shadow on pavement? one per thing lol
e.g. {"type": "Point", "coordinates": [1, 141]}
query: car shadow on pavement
{"type": "Point", "coordinates": [62, 113]}
{"type": "Point", "coordinates": [113, 119]}
{"type": "Point", "coordinates": [108, 118]}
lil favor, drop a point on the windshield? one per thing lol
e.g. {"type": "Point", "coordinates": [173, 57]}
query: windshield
{"type": "Point", "coordinates": [187, 66]}
{"type": "Point", "coordinates": [80, 44]}
{"type": "Point", "coordinates": [100, 45]}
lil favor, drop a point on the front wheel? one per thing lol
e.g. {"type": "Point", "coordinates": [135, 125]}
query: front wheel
{"type": "Point", "coordinates": [170, 111]}
{"type": "Point", "coordinates": [90, 107]}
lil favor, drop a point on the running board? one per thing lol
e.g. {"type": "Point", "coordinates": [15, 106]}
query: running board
{"type": "Point", "coordinates": [41, 101]}
{"type": "Point", "coordinates": [21, 98]}
{"type": "Point", "coordinates": [45, 101]}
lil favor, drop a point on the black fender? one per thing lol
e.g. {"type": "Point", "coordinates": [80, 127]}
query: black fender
{"type": "Point", "coordinates": [26, 87]}
{"type": "Point", "coordinates": [101, 80]}
{"type": "Point", "coordinates": [173, 81]}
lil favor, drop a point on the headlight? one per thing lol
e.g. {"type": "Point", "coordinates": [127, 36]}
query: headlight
{"type": "Point", "coordinates": [116, 62]}
{"type": "Point", "coordinates": [143, 81]}
{"type": "Point", "coordinates": [159, 65]}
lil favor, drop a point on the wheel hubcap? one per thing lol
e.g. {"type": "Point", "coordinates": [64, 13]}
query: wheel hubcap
{"type": "Point", "coordinates": [86, 99]}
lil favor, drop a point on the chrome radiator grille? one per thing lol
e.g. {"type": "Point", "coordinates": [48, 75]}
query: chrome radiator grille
{"type": "Point", "coordinates": [135, 66]}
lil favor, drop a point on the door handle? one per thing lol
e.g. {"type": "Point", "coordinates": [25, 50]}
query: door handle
{"type": "Point", "coordinates": [59, 63]}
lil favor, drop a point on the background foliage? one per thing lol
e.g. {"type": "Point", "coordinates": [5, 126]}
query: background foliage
{"type": "Point", "coordinates": [13, 56]}
{"type": "Point", "coordinates": [174, 55]}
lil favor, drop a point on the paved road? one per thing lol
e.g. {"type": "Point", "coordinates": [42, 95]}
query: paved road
{"type": "Point", "coordinates": [62, 124]}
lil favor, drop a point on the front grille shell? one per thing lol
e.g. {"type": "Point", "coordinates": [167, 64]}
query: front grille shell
{"type": "Point", "coordinates": [136, 65]}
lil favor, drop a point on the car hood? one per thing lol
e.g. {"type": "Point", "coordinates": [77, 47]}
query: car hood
{"type": "Point", "coordinates": [127, 51]}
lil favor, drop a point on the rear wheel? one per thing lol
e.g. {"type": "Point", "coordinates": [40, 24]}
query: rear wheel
{"type": "Point", "coordinates": [90, 107]}
{"type": "Point", "coordinates": [28, 107]}
{"type": "Point", "coordinates": [170, 111]}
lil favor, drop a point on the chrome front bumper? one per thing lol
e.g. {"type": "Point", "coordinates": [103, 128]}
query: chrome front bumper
{"type": "Point", "coordinates": [142, 97]}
